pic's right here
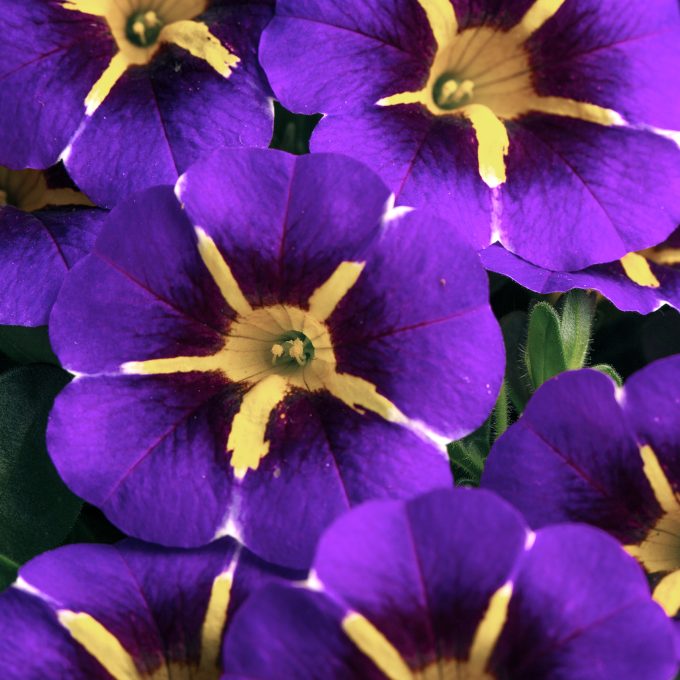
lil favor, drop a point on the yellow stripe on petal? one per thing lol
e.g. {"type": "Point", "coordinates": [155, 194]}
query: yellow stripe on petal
{"type": "Point", "coordinates": [213, 362]}
{"type": "Point", "coordinates": [247, 441]}
{"type": "Point", "coordinates": [638, 270]}
{"type": "Point", "coordinates": [376, 647]}
{"type": "Point", "coordinates": [215, 620]}
{"type": "Point", "coordinates": [101, 89]}
{"type": "Point", "coordinates": [570, 108]}
{"type": "Point", "coordinates": [540, 12]}
{"type": "Point", "coordinates": [442, 19]}
{"type": "Point", "coordinates": [328, 295]}
{"type": "Point", "coordinates": [492, 143]}
{"type": "Point", "coordinates": [196, 38]}
{"type": "Point", "coordinates": [663, 256]}
{"type": "Point", "coordinates": [419, 97]}
{"type": "Point", "coordinates": [663, 491]}
{"type": "Point", "coordinates": [221, 273]}
{"type": "Point", "coordinates": [100, 643]}
{"type": "Point", "coordinates": [97, 7]}
{"type": "Point", "coordinates": [667, 593]}
{"type": "Point", "coordinates": [489, 630]}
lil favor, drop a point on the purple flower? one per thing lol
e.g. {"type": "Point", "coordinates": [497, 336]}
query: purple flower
{"type": "Point", "coordinates": [639, 282]}
{"type": "Point", "coordinates": [129, 93]}
{"type": "Point", "coordinates": [278, 345]}
{"type": "Point", "coordinates": [39, 242]}
{"type": "Point", "coordinates": [453, 585]}
{"type": "Point", "coordinates": [546, 125]}
{"type": "Point", "coordinates": [133, 610]}
{"type": "Point", "coordinates": [586, 451]}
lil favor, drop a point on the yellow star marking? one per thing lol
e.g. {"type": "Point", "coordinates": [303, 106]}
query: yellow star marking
{"type": "Point", "coordinates": [253, 345]}
{"type": "Point", "coordinates": [100, 643]}
{"type": "Point", "coordinates": [667, 593]}
{"type": "Point", "coordinates": [177, 28]}
{"type": "Point", "coordinates": [660, 550]}
{"type": "Point", "coordinates": [248, 430]}
{"type": "Point", "coordinates": [221, 272]}
{"type": "Point", "coordinates": [197, 39]}
{"type": "Point", "coordinates": [376, 647]}
{"type": "Point", "coordinates": [488, 73]}
{"type": "Point", "coordinates": [380, 650]}
{"type": "Point", "coordinates": [637, 269]}
{"type": "Point", "coordinates": [27, 189]}
{"type": "Point", "coordinates": [327, 296]}
{"type": "Point", "coordinates": [215, 620]}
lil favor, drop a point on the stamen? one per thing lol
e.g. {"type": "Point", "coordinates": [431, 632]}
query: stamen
{"type": "Point", "coordinates": [296, 350]}
{"type": "Point", "coordinates": [143, 28]}
{"type": "Point", "coordinates": [449, 93]}
{"type": "Point", "coordinates": [277, 352]}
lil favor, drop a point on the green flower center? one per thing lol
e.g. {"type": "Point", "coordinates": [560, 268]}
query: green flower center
{"type": "Point", "coordinates": [450, 92]}
{"type": "Point", "coordinates": [143, 28]}
{"type": "Point", "coordinates": [292, 349]}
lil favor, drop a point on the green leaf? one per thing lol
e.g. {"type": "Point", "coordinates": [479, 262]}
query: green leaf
{"type": "Point", "coordinates": [37, 511]}
{"type": "Point", "coordinates": [292, 131]}
{"type": "Point", "coordinates": [24, 345]}
{"type": "Point", "coordinates": [93, 527]}
{"type": "Point", "coordinates": [514, 327]}
{"type": "Point", "coordinates": [576, 326]}
{"type": "Point", "coordinates": [501, 413]}
{"type": "Point", "coordinates": [468, 455]}
{"type": "Point", "coordinates": [543, 354]}
{"type": "Point", "coordinates": [610, 371]}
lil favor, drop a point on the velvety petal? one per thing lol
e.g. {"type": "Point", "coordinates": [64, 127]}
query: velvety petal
{"type": "Point", "coordinates": [298, 635]}
{"type": "Point", "coordinates": [577, 193]}
{"type": "Point", "coordinates": [581, 608]}
{"type": "Point", "coordinates": [572, 457]}
{"type": "Point", "coordinates": [651, 404]}
{"type": "Point", "coordinates": [46, 72]}
{"type": "Point", "coordinates": [154, 601]}
{"type": "Point", "coordinates": [325, 458]}
{"type": "Point", "coordinates": [159, 119]}
{"type": "Point", "coordinates": [401, 566]}
{"type": "Point", "coordinates": [33, 646]}
{"type": "Point", "coordinates": [380, 48]}
{"type": "Point", "coordinates": [608, 279]}
{"type": "Point", "coordinates": [145, 302]}
{"type": "Point", "coordinates": [428, 162]}
{"type": "Point", "coordinates": [150, 451]}
{"type": "Point", "coordinates": [283, 223]}
{"type": "Point", "coordinates": [449, 341]}
{"type": "Point", "coordinates": [623, 57]}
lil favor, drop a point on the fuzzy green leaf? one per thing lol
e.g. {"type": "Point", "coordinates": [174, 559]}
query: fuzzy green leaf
{"type": "Point", "coordinates": [543, 354]}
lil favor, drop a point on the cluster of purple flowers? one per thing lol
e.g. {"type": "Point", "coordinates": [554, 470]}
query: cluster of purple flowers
{"type": "Point", "coordinates": [271, 353]}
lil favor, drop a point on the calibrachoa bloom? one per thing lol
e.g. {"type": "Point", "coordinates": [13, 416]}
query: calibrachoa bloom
{"type": "Point", "coordinates": [545, 123]}
{"type": "Point", "coordinates": [640, 282]}
{"type": "Point", "coordinates": [130, 92]}
{"type": "Point", "coordinates": [132, 611]}
{"type": "Point", "coordinates": [39, 242]}
{"type": "Point", "coordinates": [586, 451]}
{"type": "Point", "coordinates": [278, 345]}
{"type": "Point", "coordinates": [454, 585]}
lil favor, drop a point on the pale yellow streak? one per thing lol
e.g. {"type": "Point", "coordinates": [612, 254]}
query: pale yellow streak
{"type": "Point", "coordinates": [97, 7]}
{"type": "Point", "coordinates": [328, 295]}
{"type": "Point", "coordinates": [101, 89]}
{"type": "Point", "coordinates": [660, 550]}
{"type": "Point", "coordinates": [214, 622]}
{"type": "Point", "coordinates": [663, 491]}
{"type": "Point", "coordinates": [196, 38]}
{"type": "Point", "coordinates": [213, 362]}
{"type": "Point", "coordinates": [667, 593]}
{"type": "Point", "coordinates": [247, 441]}
{"type": "Point", "coordinates": [570, 108]}
{"type": "Point", "coordinates": [540, 12]}
{"type": "Point", "coordinates": [65, 197]}
{"type": "Point", "coordinates": [100, 643]}
{"type": "Point", "coordinates": [361, 395]}
{"type": "Point", "coordinates": [638, 270]}
{"type": "Point", "coordinates": [376, 647]}
{"type": "Point", "coordinates": [442, 19]}
{"type": "Point", "coordinates": [489, 630]}
{"type": "Point", "coordinates": [221, 273]}
{"type": "Point", "coordinates": [419, 97]}
{"type": "Point", "coordinates": [663, 256]}
{"type": "Point", "coordinates": [492, 143]}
